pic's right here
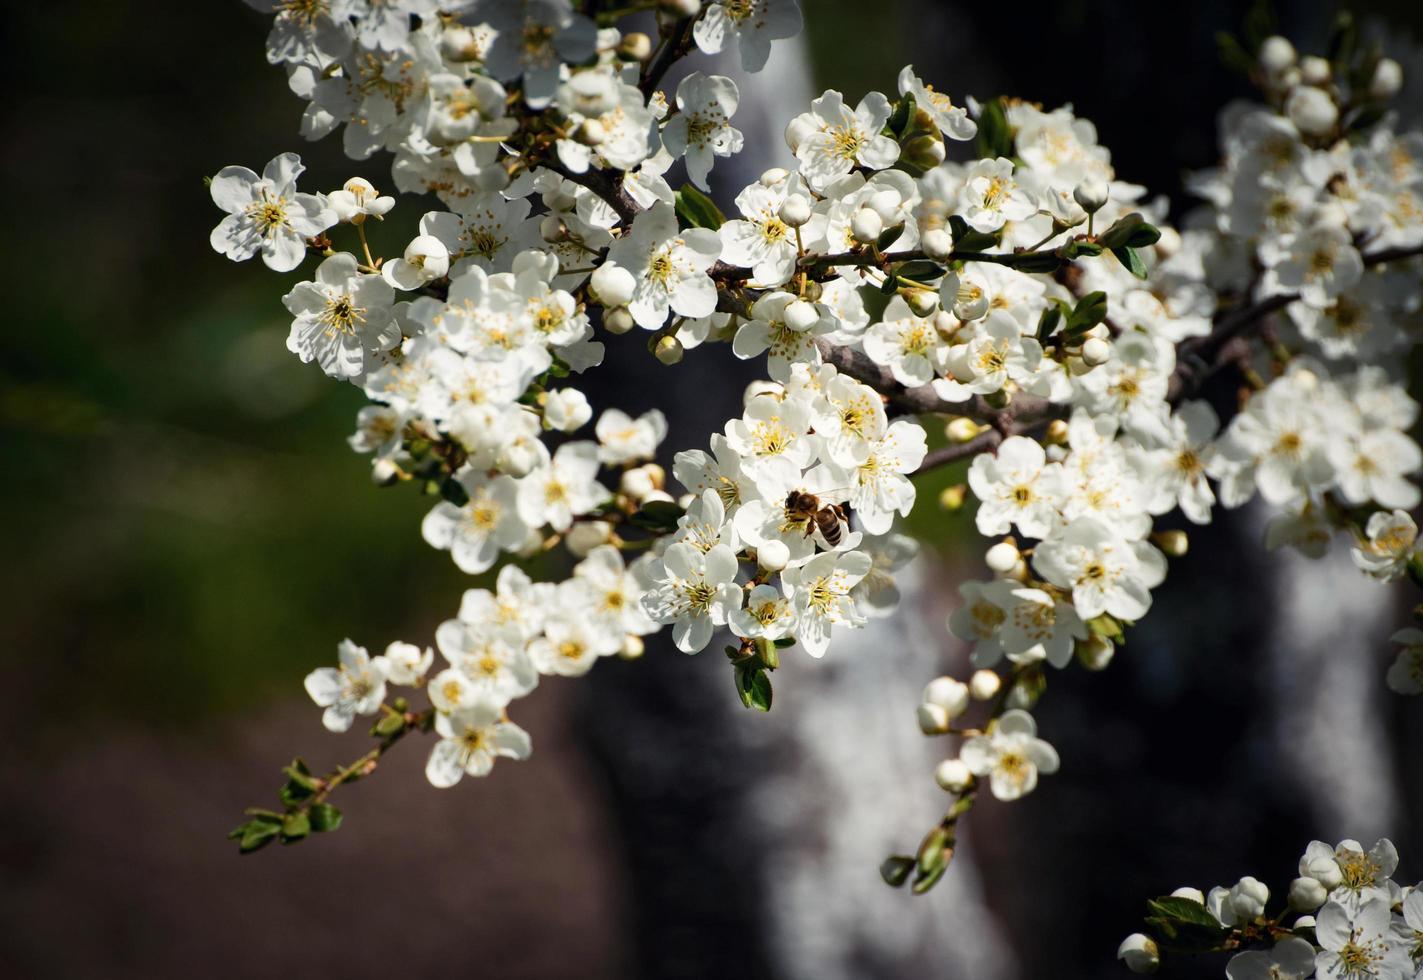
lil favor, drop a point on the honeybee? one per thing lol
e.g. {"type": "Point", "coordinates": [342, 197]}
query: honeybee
{"type": "Point", "coordinates": [828, 519]}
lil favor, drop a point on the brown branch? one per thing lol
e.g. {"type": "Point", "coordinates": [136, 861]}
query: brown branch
{"type": "Point", "coordinates": [678, 43]}
{"type": "Point", "coordinates": [985, 441]}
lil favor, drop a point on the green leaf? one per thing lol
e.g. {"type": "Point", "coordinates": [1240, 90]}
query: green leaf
{"type": "Point", "coordinates": [324, 818]}
{"type": "Point", "coordinates": [1232, 53]}
{"type": "Point", "coordinates": [696, 210]}
{"type": "Point", "coordinates": [895, 869]}
{"type": "Point", "coordinates": [657, 515]}
{"type": "Point", "coordinates": [1259, 24]}
{"type": "Point", "coordinates": [902, 115]}
{"type": "Point", "coordinates": [453, 491]}
{"type": "Point", "coordinates": [1048, 322]}
{"type": "Point", "coordinates": [995, 136]}
{"type": "Point", "coordinates": [1343, 39]}
{"type": "Point", "coordinates": [1089, 311]}
{"type": "Point", "coordinates": [293, 792]}
{"type": "Point", "coordinates": [1186, 925]}
{"type": "Point", "coordinates": [559, 368]}
{"type": "Point", "coordinates": [1036, 262]}
{"type": "Point", "coordinates": [753, 685]}
{"type": "Point", "coordinates": [1122, 230]}
{"type": "Point", "coordinates": [785, 641]}
{"type": "Point", "coordinates": [296, 826]}
{"type": "Point", "coordinates": [924, 882]}
{"type": "Point", "coordinates": [1127, 256]}
{"type": "Point", "coordinates": [257, 834]}
{"type": "Point", "coordinates": [920, 269]}
{"type": "Point", "coordinates": [1079, 248]}
{"type": "Point", "coordinates": [967, 239]}
{"type": "Point", "coordinates": [1179, 909]}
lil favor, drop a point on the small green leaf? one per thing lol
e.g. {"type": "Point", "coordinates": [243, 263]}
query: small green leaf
{"type": "Point", "coordinates": [753, 685]}
{"type": "Point", "coordinates": [1048, 322]}
{"type": "Point", "coordinates": [924, 882]}
{"type": "Point", "coordinates": [1036, 262]}
{"type": "Point", "coordinates": [900, 118]}
{"type": "Point", "coordinates": [324, 818]}
{"type": "Point", "coordinates": [921, 270]}
{"type": "Point", "coordinates": [895, 869]}
{"type": "Point", "coordinates": [558, 368]}
{"type": "Point", "coordinates": [1121, 230]}
{"type": "Point", "coordinates": [1089, 311]}
{"type": "Point", "coordinates": [296, 826]}
{"type": "Point", "coordinates": [1128, 257]}
{"type": "Point", "coordinates": [293, 792]}
{"type": "Point", "coordinates": [1188, 910]}
{"type": "Point", "coordinates": [657, 515]}
{"type": "Point", "coordinates": [257, 834]}
{"type": "Point", "coordinates": [995, 136]}
{"type": "Point", "coordinates": [696, 210]}
{"type": "Point", "coordinates": [1079, 248]}
{"type": "Point", "coordinates": [785, 641]}
{"type": "Point", "coordinates": [1232, 53]}
{"type": "Point", "coordinates": [966, 239]}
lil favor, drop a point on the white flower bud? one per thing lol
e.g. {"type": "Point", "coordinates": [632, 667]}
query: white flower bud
{"type": "Point", "coordinates": [801, 316]}
{"type": "Point", "coordinates": [618, 319]}
{"type": "Point", "coordinates": [1139, 953]}
{"type": "Point", "coordinates": [1096, 351]}
{"type": "Point", "coordinates": [681, 8]}
{"type": "Point", "coordinates": [1091, 194]}
{"type": "Point", "coordinates": [552, 228]}
{"type": "Point", "coordinates": [970, 303]}
{"type": "Point", "coordinates": [1002, 558]}
{"type": "Point", "coordinates": [659, 497]}
{"type": "Point", "coordinates": [584, 536]}
{"type": "Point", "coordinates": [632, 648]}
{"type": "Point", "coordinates": [566, 409]}
{"type": "Point", "coordinates": [1326, 871]}
{"type": "Point", "coordinates": [886, 204]}
{"type": "Point", "coordinates": [947, 693]}
{"type": "Point", "coordinates": [1303, 924]}
{"type": "Point", "coordinates": [1247, 898]}
{"type": "Point", "coordinates": [953, 775]}
{"type": "Point", "coordinates": [1194, 894]}
{"type": "Point", "coordinates": [866, 226]}
{"type": "Point", "coordinates": [612, 285]}
{"type": "Point", "coordinates": [922, 302]}
{"type": "Point", "coordinates": [1307, 894]}
{"type": "Point", "coordinates": [457, 44]}
{"type": "Point", "coordinates": [636, 483]}
{"type": "Point", "coordinates": [636, 46]}
{"type": "Point", "coordinates": [1314, 70]}
{"type": "Point", "coordinates": [772, 177]}
{"type": "Point", "coordinates": [937, 243]}
{"type": "Point", "coordinates": [796, 210]}
{"type": "Point", "coordinates": [1387, 80]}
{"type": "Point", "coordinates": [962, 429]}
{"type": "Point", "coordinates": [384, 472]}
{"type": "Point", "coordinates": [518, 459]}
{"type": "Point", "coordinates": [1312, 110]}
{"type": "Point", "coordinates": [798, 129]}
{"type": "Point", "coordinates": [1276, 54]}
{"type": "Point", "coordinates": [669, 351]}
{"type": "Point", "coordinates": [984, 684]}
{"type": "Point", "coordinates": [1095, 652]}
{"type": "Point", "coordinates": [933, 719]}
{"type": "Point", "coordinates": [772, 555]}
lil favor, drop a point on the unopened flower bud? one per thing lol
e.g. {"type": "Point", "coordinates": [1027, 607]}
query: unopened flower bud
{"type": "Point", "coordinates": [1312, 110]}
{"type": "Point", "coordinates": [632, 647]}
{"type": "Point", "coordinates": [947, 693]}
{"type": "Point", "coordinates": [669, 351]}
{"type": "Point", "coordinates": [953, 775]}
{"type": "Point", "coordinates": [1174, 544]}
{"type": "Point", "coordinates": [681, 8]}
{"type": "Point", "coordinates": [984, 684]}
{"type": "Point", "coordinates": [933, 719]}
{"type": "Point", "coordinates": [1247, 898]}
{"type": "Point", "coordinates": [384, 472]}
{"type": "Point", "coordinates": [773, 555]}
{"type": "Point", "coordinates": [811, 291]}
{"type": "Point", "coordinates": [1096, 351]}
{"type": "Point", "coordinates": [1002, 558]}
{"type": "Point", "coordinates": [1057, 431]}
{"type": "Point", "coordinates": [1194, 894]}
{"type": "Point", "coordinates": [1387, 80]}
{"type": "Point", "coordinates": [798, 129]}
{"type": "Point", "coordinates": [1091, 194]}
{"type": "Point", "coordinates": [970, 302]}
{"type": "Point", "coordinates": [923, 302]}
{"type": "Point", "coordinates": [773, 176]}
{"type": "Point", "coordinates": [925, 151]}
{"type": "Point", "coordinates": [457, 44]}
{"type": "Point", "coordinates": [962, 429]}
{"type": "Point", "coordinates": [618, 320]}
{"type": "Point", "coordinates": [1306, 894]}
{"type": "Point", "coordinates": [566, 410]}
{"type": "Point", "coordinates": [1303, 924]}
{"type": "Point", "coordinates": [636, 483]}
{"type": "Point", "coordinates": [584, 536]}
{"type": "Point", "coordinates": [1095, 652]}
{"type": "Point", "coordinates": [658, 497]}
{"type": "Point", "coordinates": [886, 204]}
{"type": "Point", "coordinates": [1169, 243]}
{"type": "Point", "coordinates": [552, 228]}
{"type": "Point", "coordinates": [1326, 871]}
{"type": "Point", "coordinates": [1314, 70]}
{"type": "Point", "coordinates": [1139, 953]}
{"type": "Point", "coordinates": [1276, 54]}
{"type": "Point", "coordinates": [952, 498]}
{"type": "Point", "coordinates": [801, 316]}
{"type": "Point", "coordinates": [612, 285]}
{"type": "Point", "coordinates": [636, 46]}
{"type": "Point", "coordinates": [938, 244]}
{"type": "Point", "coordinates": [866, 226]}
{"type": "Point", "coordinates": [796, 210]}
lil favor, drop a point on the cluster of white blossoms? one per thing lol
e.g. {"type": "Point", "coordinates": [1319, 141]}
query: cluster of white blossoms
{"type": "Point", "coordinates": [1029, 300]}
{"type": "Point", "coordinates": [1351, 921]}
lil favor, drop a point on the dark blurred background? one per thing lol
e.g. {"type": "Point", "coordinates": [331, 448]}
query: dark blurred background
{"type": "Point", "coordinates": [187, 535]}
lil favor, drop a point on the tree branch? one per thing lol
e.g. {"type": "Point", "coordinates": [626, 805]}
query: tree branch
{"type": "Point", "coordinates": [985, 441]}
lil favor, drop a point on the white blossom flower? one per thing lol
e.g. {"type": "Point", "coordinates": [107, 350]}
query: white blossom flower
{"type": "Point", "coordinates": [701, 129]}
{"type": "Point", "coordinates": [426, 259]}
{"type": "Point", "coordinates": [1374, 466]}
{"type": "Point", "coordinates": [471, 739]}
{"type": "Point", "coordinates": [571, 645]}
{"type": "Point", "coordinates": [753, 23]}
{"type": "Point", "coordinates": [670, 267]}
{"type": "Point", "coordinates": [1105, 572]}
{"type": "Point", "coordinates": [1040, 626]}
{"type": "Point", "coordinates": [358, 200]}
{"type": "Point", "coordinates": [266, 214]}
{"type": "Point", "coordinates": [565, 488]}
{"type": "Point", "coordinates": [1017, 485]}
{"type": "Point", "coordinates": [991, 196]}
{"type": "Point", "coordinates": [356, 687]}
{"type": "Point", "coordinates": [494, 660]}
{"type": "Point", "coordinates": [760, 239]}
{"type": "Point", "coordinates": [767, 615]}
{"type": "Point", "coordinates": [532, 40]}
{"type": "Point", "coordinates": [405, 663]}
{"type": "Point", "coordinates": [1357, 944]}
{"type": "Point", "coordinates": [474, 533]}
{"type": "Point", "coordinates": [907, 344]}
{"type": "Point", "coordinates": [1405, 676]}
{"type": "Point", "coordinates": [953, 121]}
{"type": "Point", "coordinates": [694, 592]}
{"type": "Point", "coordinates": [1391, 542]}
{"type": "Point", "coordinates": [623, 440]}
{"type": "Point", "coordinates": [1319, 262]}
{"type": "Point", "coordinates": [819, 592]}
{"type": "Point", "coordinates": [879, 484]}
{"type": "Point", "coordinates": [1290, 959]}
{"type": "Point", "coordinates": [768, 331]}
{"type": "Point", "coordinates": [343, 319]}
{"type": "Point", "coordinates": [840, 138]}
{"type": "Point", "coordinates": [1010, 755]}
